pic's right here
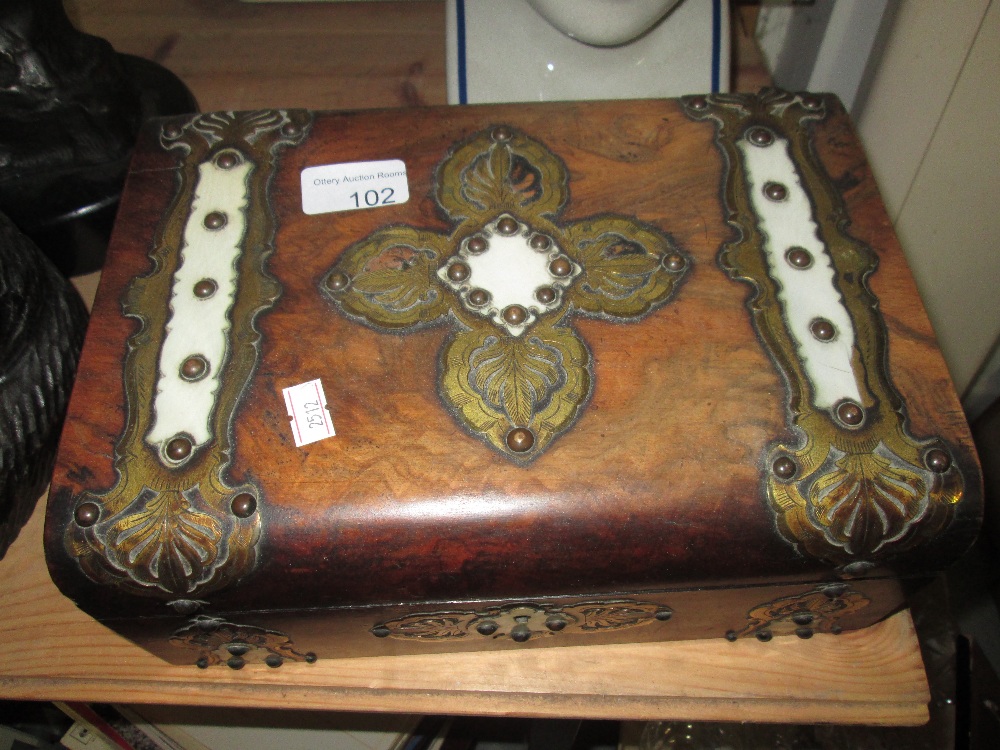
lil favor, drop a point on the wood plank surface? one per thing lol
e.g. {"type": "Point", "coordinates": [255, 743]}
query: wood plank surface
{"type": "Point", "coordinates": [236, 55]}
{"type": "Point", "coordinates": [49, 650]}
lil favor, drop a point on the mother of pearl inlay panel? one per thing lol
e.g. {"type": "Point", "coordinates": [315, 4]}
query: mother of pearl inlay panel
{"type": "Point", "coordinates": [806, 294]}
{"type": "Point", "coordinates": [200, 325]}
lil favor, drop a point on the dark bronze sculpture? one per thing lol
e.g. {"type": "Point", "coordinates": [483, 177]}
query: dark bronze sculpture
{"type": "Point", "coordinates": [70, 108]}
{"type": "Point", "coordinates": [42, 322]}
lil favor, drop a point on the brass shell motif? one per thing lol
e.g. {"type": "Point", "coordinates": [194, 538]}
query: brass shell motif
{"type": "Point", "coordinates": [856, 488]}
{"type": "Point", "coordinates": [167, 528]}
{"type": "Point", "coordinates": [515, 374]}
{"type": "Point", "coordinates": [522, 622]}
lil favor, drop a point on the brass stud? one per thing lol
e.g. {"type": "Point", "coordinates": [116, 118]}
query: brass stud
{"type": "Point", "coordinates": [458, 272]}
{"type": "Point", "coordinates": [799, 257]}
{"type": "Point", "coordinates": [172, 130]}
{"type": "Point", "coordinates": [202, 663]}
{"type": "Point", "coordinates": [209, 625]}
{"type": "Point", "coordinates": [179, 448]}
{"type": "Point", "coordinates": [515, 315]}
{"type": "Point", "coordinates": [775, 191]}
{"type": "Point", "coordinates": [337, 281]}
{"type": "Point", "coordinates": [555, 623]}
{"type": "Point", "coordinates": [381, 631]}
{"type": "Point", "coordinates": [763, 635]}
{"type": "Point", "coordinates": [760, 137]}
{"type": "Point", "coordinates": [823, 330]}
{"type": "Point", "coordinates": [731, 636]}
{"type": "Point", "coordinates": [227, 160]}
{"type": "Point", "coordinates": [508, 226]}
{"type": "Point", "coordinates": [520, 633]}
{"type": "Point", "coordinates": [236, 662]}
{"type": "Point", "coordinates": [238, 649]}
{"type": "Point", "coordinates": [836, 629]}
{"type": "Point", "coordinates": [834, 590]}
{"type": "Point", "coordinates": [784, 467]}
{"type": "Point", "coordinates": [545, 294]}
{"type": "Point", "coordinates": [540, 242]}
{"type": "Point", "coordinates": [803, 618]}
{"type": "Point", "coordinates": [850, 413]}
{"type": "Point", "coordinates": [937, 460]}
{"type": "Point", "coordinates": [273, 661]}
{"type": "Point", "coordinates": [185, 607]}
{"type": "Point", "coordinates": [243, 505]}
{"type": "Point", "coordinates": [804, 632]}
{"type": "Point", "coordinates": [502, 134]}
{"type": "Point", "coordinates": [698, 103]}
{"type": "Point", "coordinates": [311, 657]}
{"type": "Point", "coordinates": [477, 245]}
{"type": "Point", "coordinates": [194, 368]}
{"type": "Point", "coordinates": [674, 262]}
{"type": "Point", "coordinates": [205, 288]}
{"type": "Point", "coordinates": [215, 220]}
{"type": "Point", "coordinates": [664, 614]}
{"type": "Point", "coordinates": [290, 129]}
{"type": "Point", "coordinates": [520, 440]}
{"type": "Point", "coordinates": [561, 267]}
{"type": "Point", "coordinates": [86, 514]}
{"type": "Point", "coordinates": [858, 568]}
{"type": "Point", "coordinates": [478, 297]}
{"type": "Point", "coordinates": [487, 627]}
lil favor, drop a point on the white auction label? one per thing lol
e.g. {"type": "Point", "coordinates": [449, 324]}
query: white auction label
{"type": "Point", "coordinates": [306, 405]}
{"type": "Point", "coordinates": [354, 185]}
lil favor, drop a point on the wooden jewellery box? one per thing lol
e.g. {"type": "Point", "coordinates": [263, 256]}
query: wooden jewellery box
{"type": "Point", "coordinates": [504, 377]}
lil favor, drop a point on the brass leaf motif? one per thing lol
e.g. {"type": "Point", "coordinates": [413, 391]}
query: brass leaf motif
{"type": "Point", "coordinates": [623, 275]}
{"type": "Point", "coordinates": [866, 501]}
{"type": "Point", "coordinates": [435, 628]}
{"type": "Point", "coordinates": [614, 617]}
{"type": "Point", "coordinates": [488, 181]}
{"type": "Point", "coordinates": [516, 376]}
{"type": "Point", "coordinates": [399, 289]}
{"type": "Point", "coordinates": [392, 281]}
{"type": "Point", "coordinates": [617, 267]}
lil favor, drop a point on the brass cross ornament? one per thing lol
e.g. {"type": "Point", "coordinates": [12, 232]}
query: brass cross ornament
{"type": "Point", "coordinates": [508, 279]}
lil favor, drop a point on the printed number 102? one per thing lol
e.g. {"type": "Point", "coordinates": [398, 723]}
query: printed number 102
{"type": "Point", "coordinates": [381, 197]}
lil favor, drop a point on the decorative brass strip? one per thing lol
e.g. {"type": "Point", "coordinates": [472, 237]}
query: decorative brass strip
{"type": "Point", "coordinates": [816, 611]}
{"type": "Point", "coordinates": [857, 488]}
{"type": "Point", "coordinates": [522, 622]}
{"type": "Point", "coordinates": [508, 279]}
{"type": "Point", "coordinates": [218, 642]}
{"type": "Point", "coordinates": [173, 526]}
